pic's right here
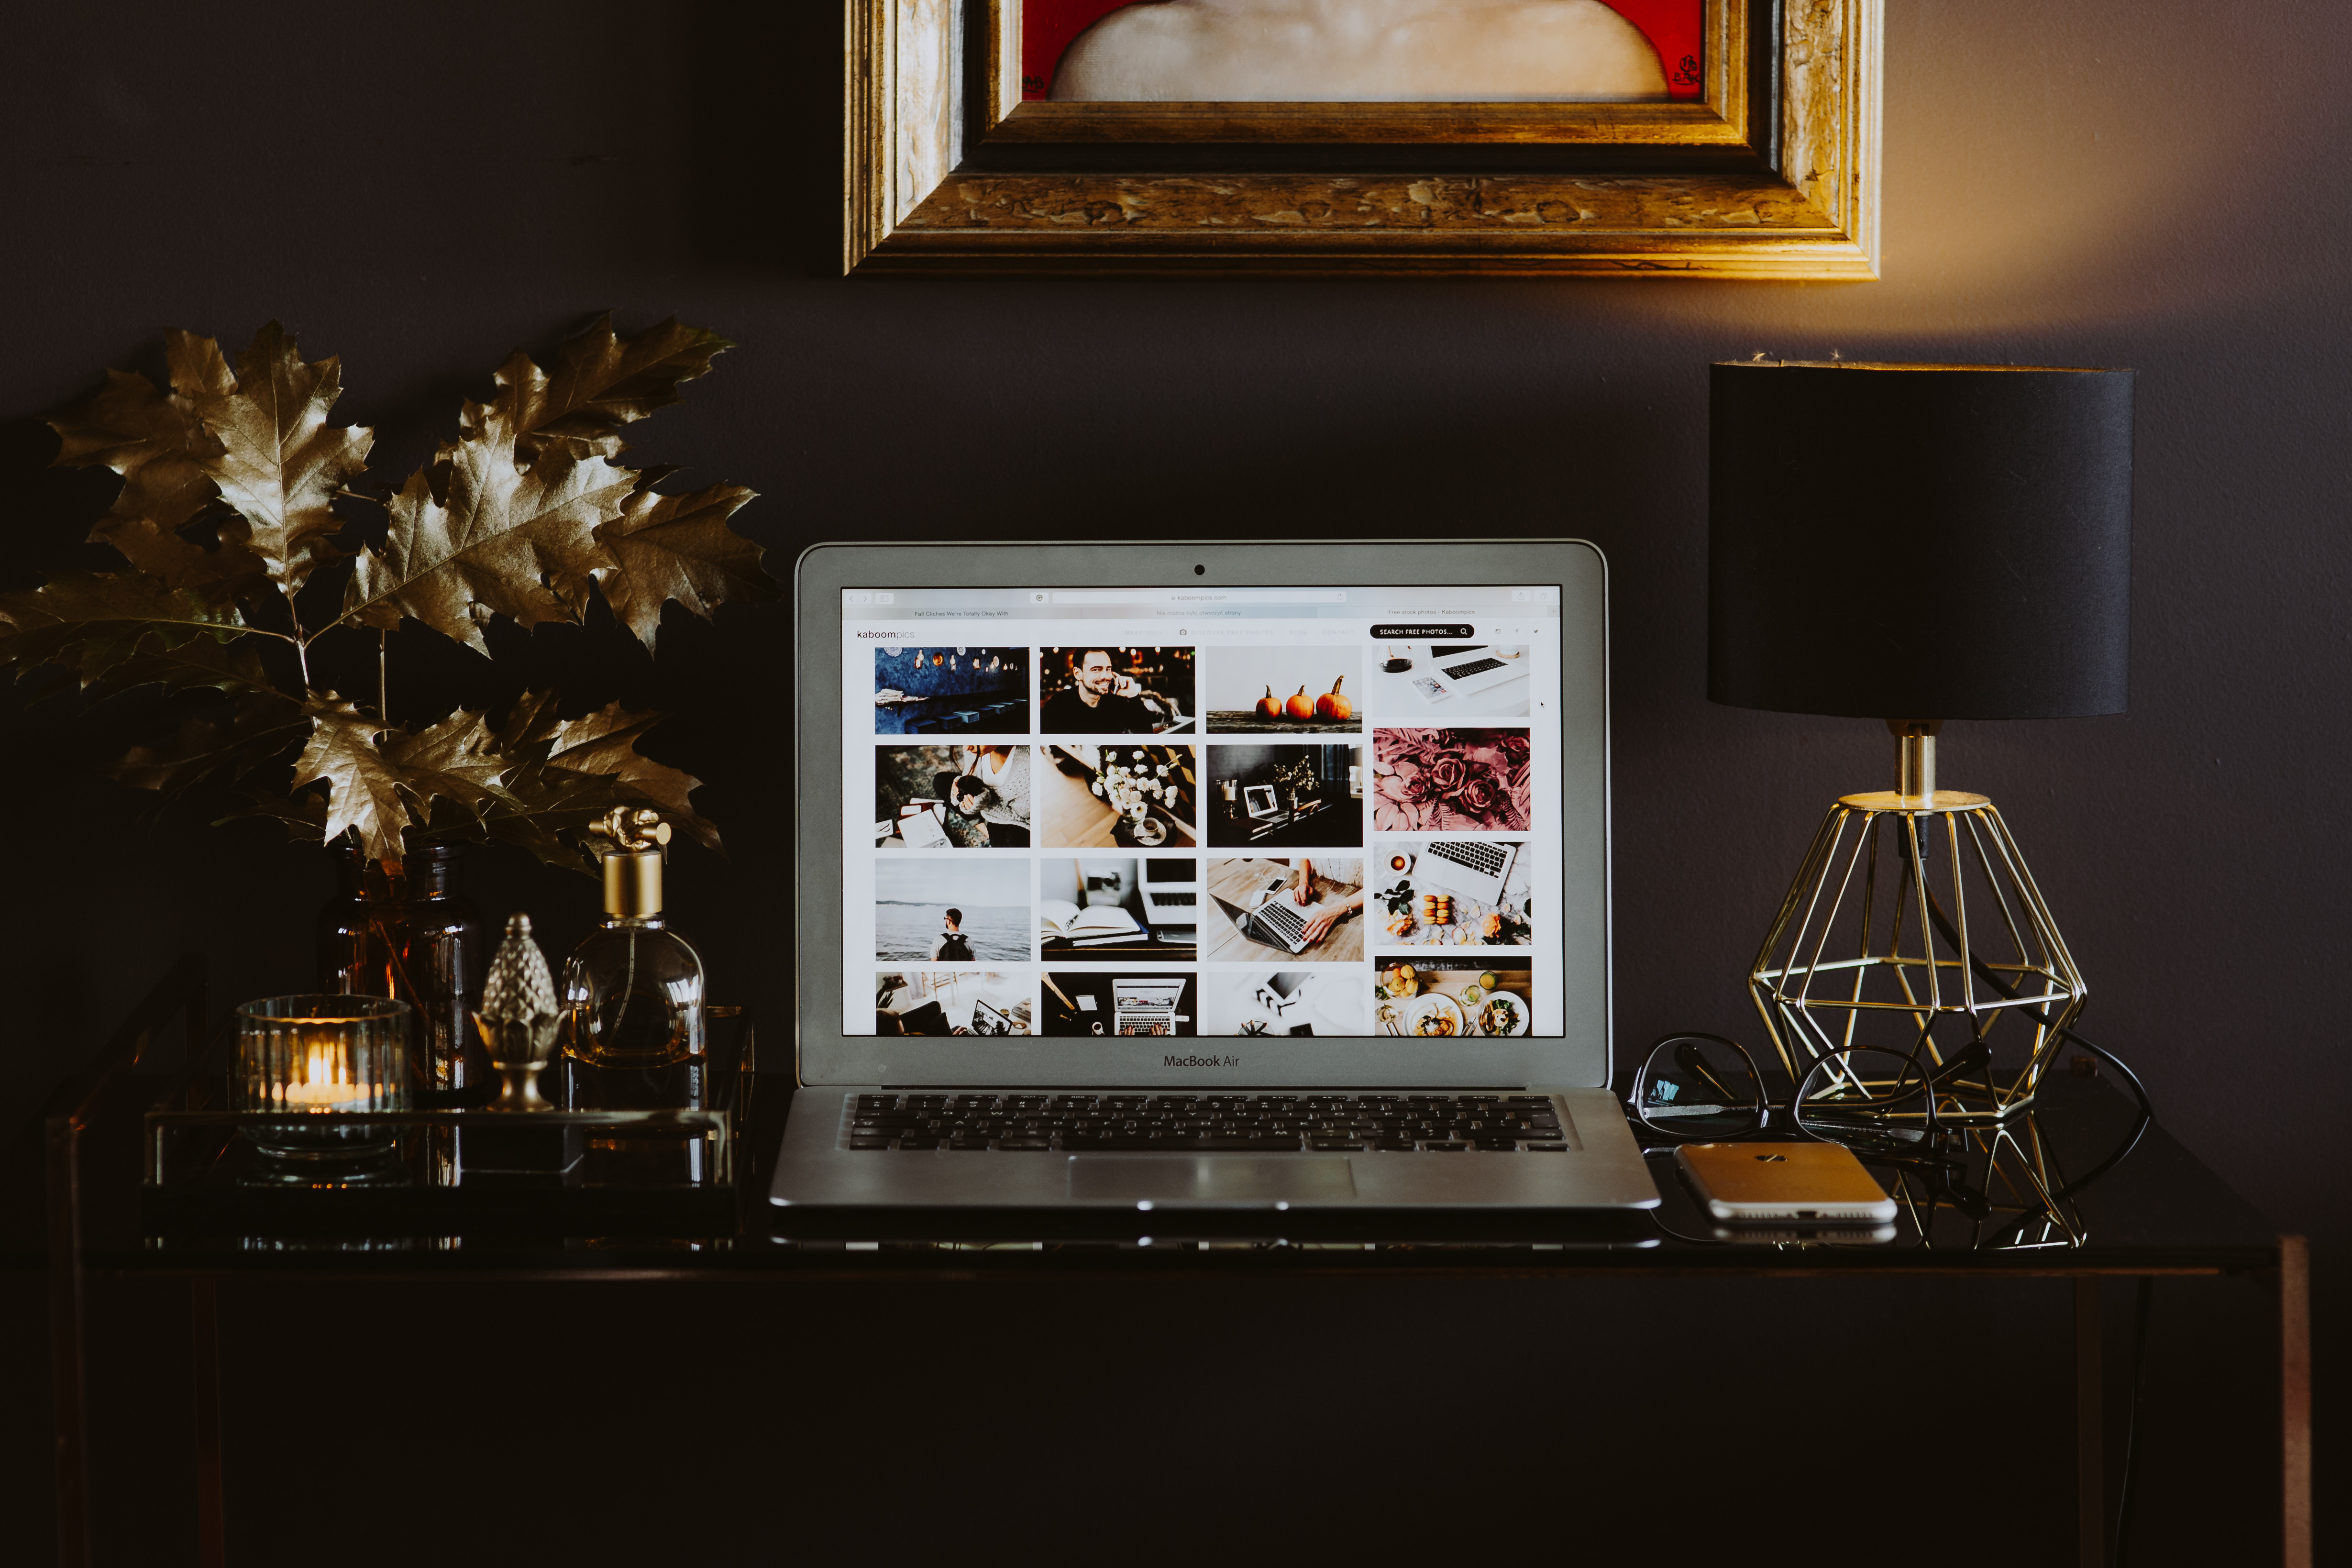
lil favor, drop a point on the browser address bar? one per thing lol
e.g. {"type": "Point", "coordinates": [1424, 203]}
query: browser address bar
{"type": "Point", "coordinates": [1200, 597]}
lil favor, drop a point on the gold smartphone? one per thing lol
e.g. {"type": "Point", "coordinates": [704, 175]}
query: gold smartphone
{"type": "Point", "coordinates": [1742, 1183]}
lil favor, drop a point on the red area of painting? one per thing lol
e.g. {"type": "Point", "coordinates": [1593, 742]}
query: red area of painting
{"type": "Point", "coordinates": [1048, 27]}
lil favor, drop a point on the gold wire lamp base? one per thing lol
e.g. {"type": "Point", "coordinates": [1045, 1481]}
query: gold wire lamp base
{"type": "Point", "coordinates": [1913, 927]}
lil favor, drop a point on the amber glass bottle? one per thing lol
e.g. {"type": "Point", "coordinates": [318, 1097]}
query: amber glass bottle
{"type": "Point", "coordinates": [443, 954]}
{"type": "Point", "coordinates": [363, 931]}
{"type": "Point", "coordinates": [411, 932]}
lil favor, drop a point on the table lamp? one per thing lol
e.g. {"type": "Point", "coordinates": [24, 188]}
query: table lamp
{"type": "Point", "coordinates": [1918, 543]}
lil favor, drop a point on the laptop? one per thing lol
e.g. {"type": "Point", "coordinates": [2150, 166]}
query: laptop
{"type": "Point", "coordinates": [1437, 1085]}
{"type": "Point", "coordinates": [1147, 1006]}
{"type": "Point", "coordinates": [1468, 671]}
{"type": "Point", "coordinates": [1171, 900]}
{"type": "Point", "coordinates": [1267, 918]}
{"type": "Point", "coordinates": [1476, 867]}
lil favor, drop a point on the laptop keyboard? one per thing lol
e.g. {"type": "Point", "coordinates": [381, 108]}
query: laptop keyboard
{"type": "Point", "coordinates": [1153, 895]}
{"type": "Point", "coordinates": [1285, 919]}
{"type": "Point", "coordinates": [1176, 1123]}
{"type": "Point", "coordinates": [1474, 666]}
{"type": "Point", "coordinates": [1487, 857]}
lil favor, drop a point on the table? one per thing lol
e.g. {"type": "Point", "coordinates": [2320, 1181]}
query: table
{"type": "Point", "coordinates": [2147, 1210]}
{"type": "Point", "coordinates": [1332, 820]}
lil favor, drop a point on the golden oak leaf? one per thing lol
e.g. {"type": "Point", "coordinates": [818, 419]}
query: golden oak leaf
{"type": "Point", "coordinates": [261, 726]}
{"type": "Point", "coordinates": [304, 815]}
{"type": "Point", "coordinates": [280, 463]}
{"type": "Point", "coordinates": [451, 760]}
{"type": "Point", "coordinates": [605, 742]}
{"type": "Point", "coordinates": [530, 728]}
{"type": "Point", "coordinates": [679, 547]}
{"type": "Point", "coordinates": [599, 381]}
{"type": "Point", "coordinates": [160, 446]}
{"type": "Point", "coordinates": [96, 622]}
{"type": "Point", "coordinates": [185, 667]}
{"type": "Point", "coordinates": [364, 787]}
{"type": "Point", "coordinates": [542, 805]}
{"type": "Point", "coordinates": [502, 531]}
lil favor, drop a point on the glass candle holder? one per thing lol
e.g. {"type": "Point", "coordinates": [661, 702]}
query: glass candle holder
{"type": "Point", "coordinates": [313, 1055]}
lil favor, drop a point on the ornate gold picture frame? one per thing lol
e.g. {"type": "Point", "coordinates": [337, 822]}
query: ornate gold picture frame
{"type": "Point", "coordinates": [1771, 173]}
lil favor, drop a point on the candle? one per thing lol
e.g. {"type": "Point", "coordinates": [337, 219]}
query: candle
{"type": "Point", "coordinates": [321, 1080]}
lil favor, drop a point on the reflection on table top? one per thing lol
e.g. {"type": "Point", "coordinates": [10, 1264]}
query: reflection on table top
{"type": "Point", "coordinates": [2158, 1209]}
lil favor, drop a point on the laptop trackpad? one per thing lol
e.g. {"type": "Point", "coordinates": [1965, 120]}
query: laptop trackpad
{"type": "Point", "coordinates": [1209, 1179]}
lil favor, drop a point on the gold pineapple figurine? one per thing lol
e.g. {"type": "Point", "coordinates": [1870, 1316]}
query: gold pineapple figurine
{"type": "Point", "coordinates": [518, 1018]}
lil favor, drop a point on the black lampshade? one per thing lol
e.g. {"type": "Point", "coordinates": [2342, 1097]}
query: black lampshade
{"type": "Point", "coordinates": [1919, 542]}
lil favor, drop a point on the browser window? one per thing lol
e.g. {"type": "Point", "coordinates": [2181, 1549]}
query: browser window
{"type": "Point", "coordinates": [1133, 814]}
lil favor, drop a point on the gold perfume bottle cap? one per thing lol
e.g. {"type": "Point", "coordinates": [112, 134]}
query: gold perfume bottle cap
{"type": "Point", "coordinates": [633, 841]}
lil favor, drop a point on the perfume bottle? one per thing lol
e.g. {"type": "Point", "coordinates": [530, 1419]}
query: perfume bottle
{"type": "Point", "coordinates": [633, 1022]}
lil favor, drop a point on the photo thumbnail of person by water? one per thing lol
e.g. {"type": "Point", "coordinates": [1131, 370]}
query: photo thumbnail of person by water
{"type": "Point", "coordinates": [964, 911]}
{"type": "Point", "coordinates": [951, 797]}
{"type": "Point", "coordinates": [951, 691]}
{"type": "Point", "coordinates": [1116, 690]}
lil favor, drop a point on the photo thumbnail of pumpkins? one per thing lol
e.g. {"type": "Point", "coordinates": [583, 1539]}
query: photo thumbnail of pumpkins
{"type": "Point", "coordinates": [1291, 690]}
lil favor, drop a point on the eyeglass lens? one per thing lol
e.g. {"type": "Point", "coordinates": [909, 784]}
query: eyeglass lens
{"type": "Point", "coordinates": [1865, 1098]}
{"type": "Point", "coordinates": [1693, 1086]}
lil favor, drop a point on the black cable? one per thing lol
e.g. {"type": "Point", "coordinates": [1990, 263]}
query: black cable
{"type": "Point", "coordinates": [2131, 1422]}
{"type": "Point", "coordinates": [1985, 973]}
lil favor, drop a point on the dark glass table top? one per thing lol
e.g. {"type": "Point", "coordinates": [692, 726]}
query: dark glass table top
{"type": "Point", "coordinates": [2052, 1191]}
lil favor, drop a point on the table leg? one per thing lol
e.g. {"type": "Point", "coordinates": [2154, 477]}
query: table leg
{"type": "Point", "coordinates": [2090, 1426]}
{"type": "Point", "coordinates": [212, 1543]}
{"type": "Point", "coordinates": [70, 1403]}
{"type": "Point", "coordinates": [2294, 1395]}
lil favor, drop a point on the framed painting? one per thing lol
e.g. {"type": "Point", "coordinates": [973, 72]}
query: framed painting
{"type": "Point", "coordinates": [1723, 138]}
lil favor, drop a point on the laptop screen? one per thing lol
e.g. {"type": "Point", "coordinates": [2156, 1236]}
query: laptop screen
{"type": "Point", "coordinates": [1121, 813]}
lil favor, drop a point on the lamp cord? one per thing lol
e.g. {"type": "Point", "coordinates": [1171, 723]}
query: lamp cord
{"type": "Point", "coordinates": [2146, 1282]}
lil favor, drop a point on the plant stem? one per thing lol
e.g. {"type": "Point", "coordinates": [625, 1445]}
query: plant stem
{"type": "Point", "coordinates": [301, 643]}
{"type": "Point", "coordinates": [382, 679]}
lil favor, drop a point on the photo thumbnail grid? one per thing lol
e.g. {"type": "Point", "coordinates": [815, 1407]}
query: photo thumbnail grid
{"type": "Point", "coordinates": [1132, 850]}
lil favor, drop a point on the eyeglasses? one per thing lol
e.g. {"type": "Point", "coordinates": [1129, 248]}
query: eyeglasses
{"type": "Point", "coordinates": [1706, 1089]}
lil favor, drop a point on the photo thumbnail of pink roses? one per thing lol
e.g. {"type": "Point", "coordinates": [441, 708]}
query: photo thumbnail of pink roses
{"type": "Point", "coordinates": [1426, 781]}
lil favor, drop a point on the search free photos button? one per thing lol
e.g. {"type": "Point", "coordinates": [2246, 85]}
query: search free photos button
{"type": "Point", "coordinates": [1421, 631]}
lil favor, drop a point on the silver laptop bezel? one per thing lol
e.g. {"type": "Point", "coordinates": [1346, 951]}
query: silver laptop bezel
{"type": "Point", "coordinates": [826, 1054]}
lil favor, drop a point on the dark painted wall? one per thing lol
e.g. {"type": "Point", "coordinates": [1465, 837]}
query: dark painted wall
{"type": "Point", "coordinates": [420, 186]}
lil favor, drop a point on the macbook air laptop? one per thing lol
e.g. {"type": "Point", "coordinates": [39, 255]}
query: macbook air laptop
{"type": "Point", "coordinates": [1477, 669]}
{"type": "Point", "coordinates": [1267, 917]}
{"type": "Point", "coordinates": [1171, 900]}
{"type": "Point", "coordinates": [1477, 867]}
{"type": "Point", "coordinates": [1455, 1080]}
